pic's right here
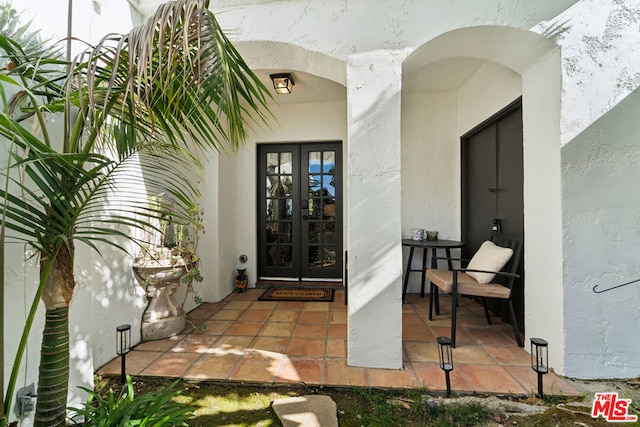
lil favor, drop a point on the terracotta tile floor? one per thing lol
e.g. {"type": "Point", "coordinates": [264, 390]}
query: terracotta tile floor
{"type": "Point", "coordinates": [295, 342]}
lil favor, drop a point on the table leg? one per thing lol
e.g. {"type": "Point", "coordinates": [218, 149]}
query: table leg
{"type": "Point", "coordinates": [424, 271]}
{"type": "Point", "coordinates": [406, 274]}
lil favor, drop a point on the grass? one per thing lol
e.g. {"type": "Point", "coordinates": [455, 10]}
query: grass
{"type": "Point", "coordinates": [250, 405]}
{"type": "Point", "coordinates": [243, 405]}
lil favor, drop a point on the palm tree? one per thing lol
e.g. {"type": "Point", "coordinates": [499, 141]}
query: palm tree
{"type": "Point", "coordinates": [171, 89]}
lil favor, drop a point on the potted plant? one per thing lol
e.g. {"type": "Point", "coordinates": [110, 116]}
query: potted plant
{"type": "Point", "coordinates": [166, 263]}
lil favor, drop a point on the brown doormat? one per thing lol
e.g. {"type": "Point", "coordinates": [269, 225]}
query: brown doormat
{"type": "Point", "coordinates": [297, 294]}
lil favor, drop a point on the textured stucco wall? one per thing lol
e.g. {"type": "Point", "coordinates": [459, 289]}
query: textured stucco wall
{"type": "Point", "coordinates": [375, 256]}
{"type": "Point", "coordinates": [600, 204]}
{"type": "Point", "coordinates": [602, 241]}
{"type": "Point", "coordinates": [430, 167]}
{"type": "Point", "coordinates": [488, 91]}
{"type": "Point", "coordinates": [340, 28]}
{"type": "Point", "coordinates": [541, 101]}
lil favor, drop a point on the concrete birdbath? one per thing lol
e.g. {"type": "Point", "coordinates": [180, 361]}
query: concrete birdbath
{"type": "Point", "coordinates": [164, 316]}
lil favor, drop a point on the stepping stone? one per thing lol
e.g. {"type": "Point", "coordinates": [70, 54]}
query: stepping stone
{"type": "Point", "coordinates": [307, 411]}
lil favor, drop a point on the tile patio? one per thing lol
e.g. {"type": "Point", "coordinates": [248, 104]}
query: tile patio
{"type": "Point", "coordinates": [305, 342]}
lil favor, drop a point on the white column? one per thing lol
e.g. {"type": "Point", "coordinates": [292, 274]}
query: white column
{"type": "Point", "coordinates": [215, 286]}
{"type": "Point", "coordinates": [373, 232]}
{"type": "Point", "coordinates": [543, 264]}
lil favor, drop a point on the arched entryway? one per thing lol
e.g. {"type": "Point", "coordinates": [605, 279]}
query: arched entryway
{"type": "Point", "coordinates": [454, 83]}
{"type": "Point", "coordinates": [313, 114]}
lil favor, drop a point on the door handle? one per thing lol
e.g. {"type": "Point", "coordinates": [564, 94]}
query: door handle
{"type": "Point", "coordinates": [493, 190]}
{"type": "Point", "coordinates": [305, 217]}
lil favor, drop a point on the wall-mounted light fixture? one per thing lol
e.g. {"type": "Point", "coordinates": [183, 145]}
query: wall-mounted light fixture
{"type": "Point", "coordinates": [282, 83]}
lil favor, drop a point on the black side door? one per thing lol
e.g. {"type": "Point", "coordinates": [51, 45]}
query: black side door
{"type": "Point", "coordinates": [492, 186]}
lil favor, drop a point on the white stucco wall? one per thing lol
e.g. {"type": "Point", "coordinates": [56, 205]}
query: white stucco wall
{"type": "Point", "coordinates": [488, 91]}
{"type": "Point", "coordinates": [106, 296]}
{"type": "Point", "coordinates": [600, 209]}
{"type": "Point", "coordinates": [374, 230]}
{"type": "Point", "coordinates": [543, 230]}
{"type": "Point", "coordinates": [21, 280]}
{"type": "Point", "coordinates": [430, 169]}
{"type": "Point", "coordinates": [602, 241]}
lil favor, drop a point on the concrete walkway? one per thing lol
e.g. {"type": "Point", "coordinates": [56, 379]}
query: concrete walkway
{"type": "Point", "coordinates": [269, 342]}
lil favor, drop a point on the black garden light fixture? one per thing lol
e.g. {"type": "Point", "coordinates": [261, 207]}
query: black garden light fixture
{"type": "Point", "coordinates": [539, 360]}
{"type": "Point", "coordinates": [446, 359]}
{"type": "Point", "coordinates": [123, 346]}
{"type": "Point", "coordinates": [282, 83]}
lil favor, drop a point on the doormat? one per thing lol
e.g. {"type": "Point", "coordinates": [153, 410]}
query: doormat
{"type": "Point", "coordinates": [297, 294]}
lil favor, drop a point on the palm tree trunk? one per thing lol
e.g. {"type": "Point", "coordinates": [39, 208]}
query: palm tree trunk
{"type": "Point", "coordinates": [53, 383]}
{"type": "Point", "coordinates": [53, 380]}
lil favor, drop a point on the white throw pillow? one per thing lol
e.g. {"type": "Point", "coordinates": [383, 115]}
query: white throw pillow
{"type": "Point", "coordinates": [489, 257]}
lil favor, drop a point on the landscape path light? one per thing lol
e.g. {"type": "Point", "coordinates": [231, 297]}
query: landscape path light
{"type": "Point", "coordinates": [539, 360]}
{"type": "Point", "coordinates": [123, 346]}
{"type": "Point", "coordinates": [445, 355]}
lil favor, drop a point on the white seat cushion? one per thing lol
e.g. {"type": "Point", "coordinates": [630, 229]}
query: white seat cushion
{"type": "Point", "coordinates": [489, 257]}
{"type": "Point", "coordinates": [467, 285]}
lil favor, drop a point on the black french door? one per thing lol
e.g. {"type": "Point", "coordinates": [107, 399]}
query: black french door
{"type": "Point", "coordinates": [300, 211]}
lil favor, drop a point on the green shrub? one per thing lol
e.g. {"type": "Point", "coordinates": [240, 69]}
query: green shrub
{"type": "Point", "coordinates": [155, 408]}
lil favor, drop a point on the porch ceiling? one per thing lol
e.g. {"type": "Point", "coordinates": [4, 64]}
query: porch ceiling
{"type": "Point", "coordinates": [445, 75]}
{"type": "Point", "coordinates": [307, 88]}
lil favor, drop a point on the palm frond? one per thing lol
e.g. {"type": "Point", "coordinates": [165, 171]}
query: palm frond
{"type": "Point", "coordinates": [60, 198]}
{"type": "Point", "coordinates": [24, 54]}
{"type": "Point", "coordinates": [176, 76]}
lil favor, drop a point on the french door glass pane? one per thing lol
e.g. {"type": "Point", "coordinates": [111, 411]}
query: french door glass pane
{"type": "Point", "coordinates": [329, 233]}
{"type": "Point", "coordinates": [279, 256]}
{"type": "Point", "coordinates": [279, 221]}
{"type": "Point", "coordinates": [322, 216]}
{"type": "Point", "coordinates": [279, 209]}
{"type": "Point", "coordinates": [315, 232]}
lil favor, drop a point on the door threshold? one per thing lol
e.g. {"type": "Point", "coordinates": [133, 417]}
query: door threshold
{"type": "Point", "coordinates": [269, 283]}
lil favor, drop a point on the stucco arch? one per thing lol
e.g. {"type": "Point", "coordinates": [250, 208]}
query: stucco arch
{"type": "Point", "coordinates": [278, 55]}
{"type": "Point", "coordinates": [501, 64]}
{"type": "Point", "coordinates": [514, 48]}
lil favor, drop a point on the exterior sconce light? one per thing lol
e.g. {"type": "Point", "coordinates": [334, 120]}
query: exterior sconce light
{"type": "Point", "coordinates": [282, 83]}
{"type": "Point", "coordinates": [446, 359]}
{"type": "Point", "coordinates": [123, 346]}
{"type": "Point", "coordinates": [539, 360]}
